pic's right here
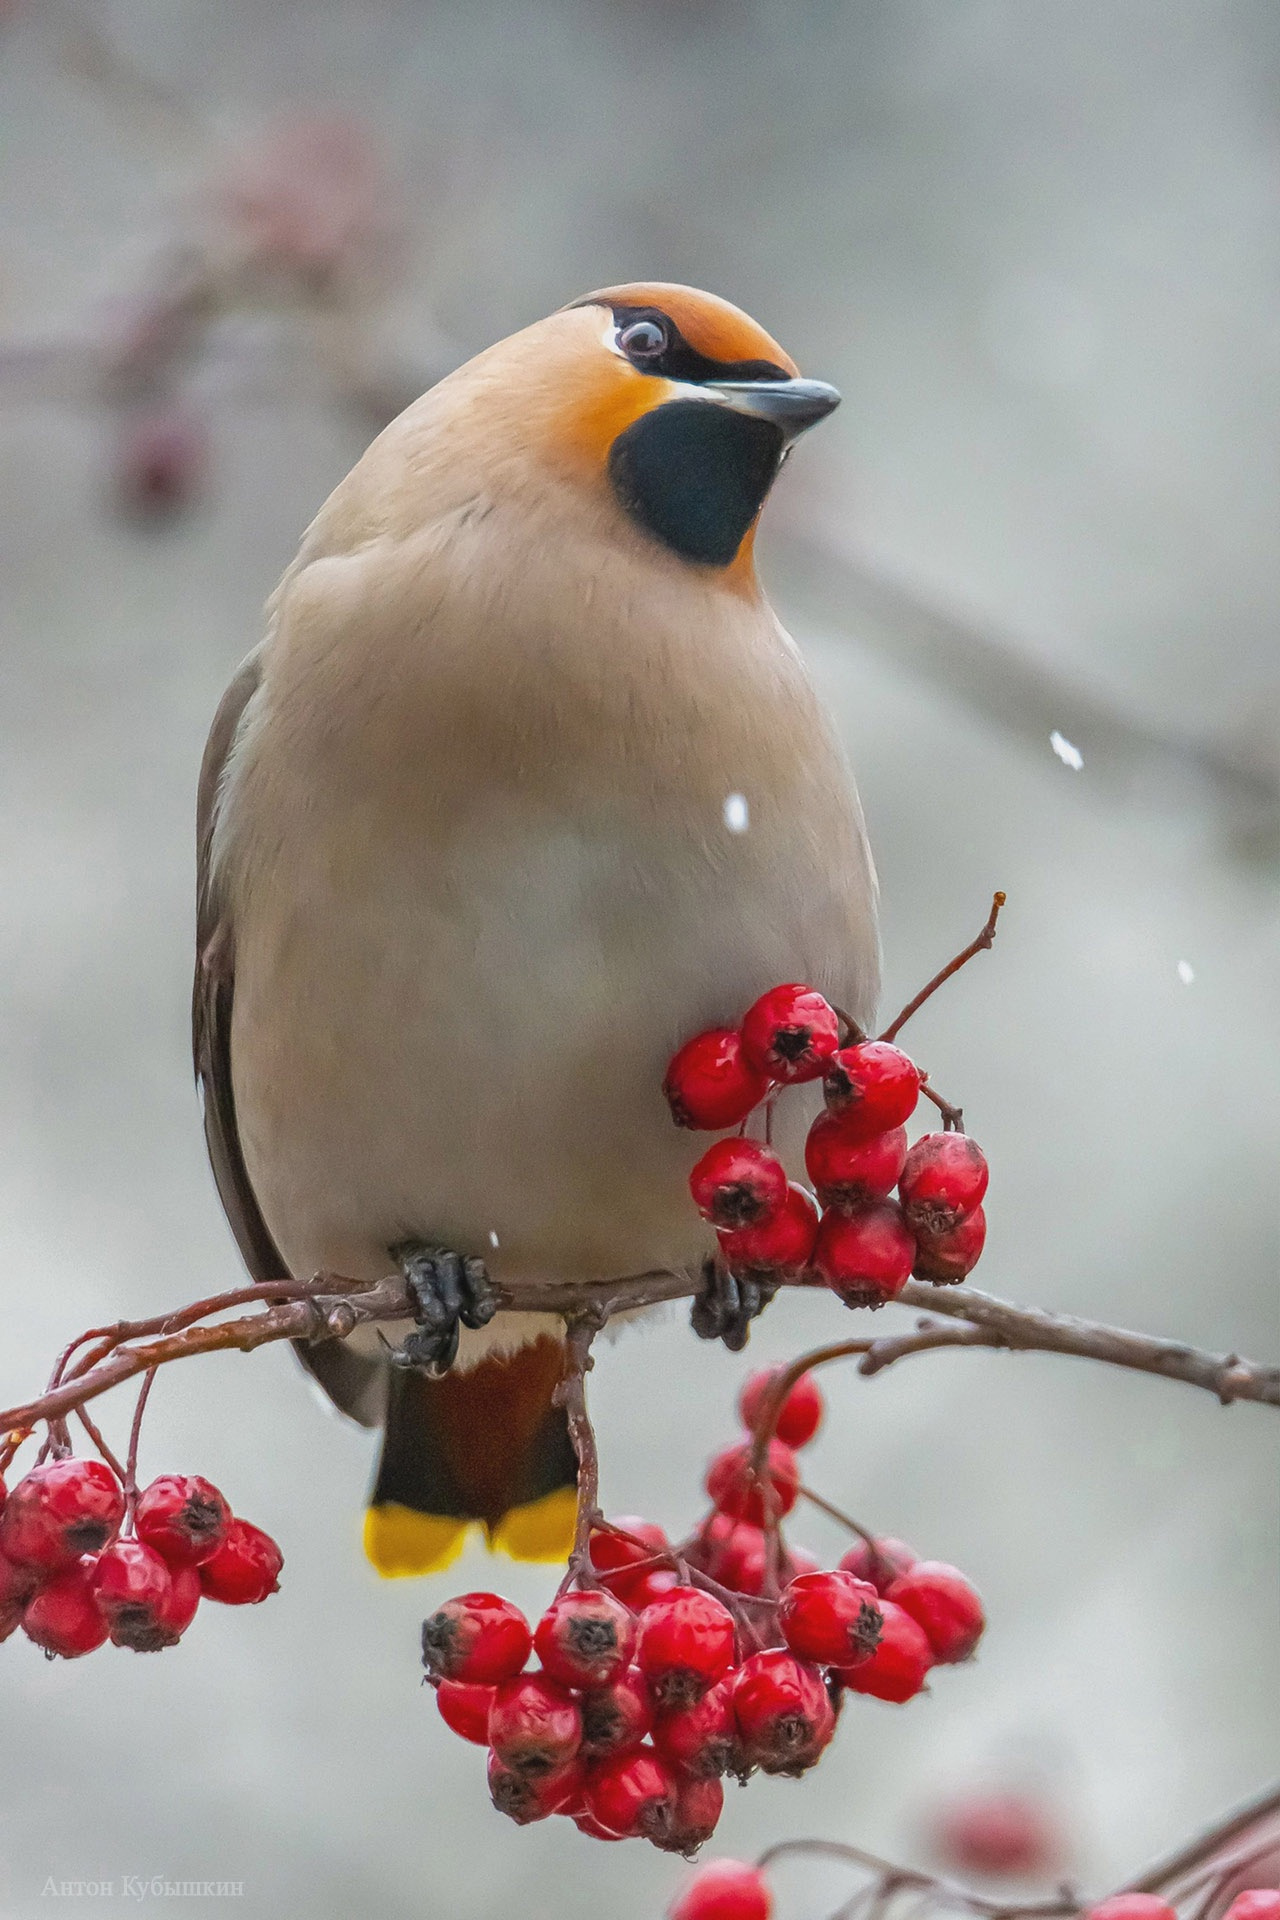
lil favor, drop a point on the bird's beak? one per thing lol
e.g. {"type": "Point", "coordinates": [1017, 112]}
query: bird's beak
{"type": "Point", "coordinates": [789, 405]}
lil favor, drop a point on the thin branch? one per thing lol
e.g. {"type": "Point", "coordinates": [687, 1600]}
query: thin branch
{"type": "Point", "coordinates": [983, 941]}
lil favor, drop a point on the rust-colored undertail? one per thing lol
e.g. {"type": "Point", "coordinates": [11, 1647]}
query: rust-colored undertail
{"type": "Point", "coordinates": [484, 1445]}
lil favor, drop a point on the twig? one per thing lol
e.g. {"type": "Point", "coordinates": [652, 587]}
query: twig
{"type": "Point", "coordinates": [979, 945]}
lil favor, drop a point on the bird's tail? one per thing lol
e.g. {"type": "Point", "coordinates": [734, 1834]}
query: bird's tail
{"type": "Point", "coordinates": [486, 1445]}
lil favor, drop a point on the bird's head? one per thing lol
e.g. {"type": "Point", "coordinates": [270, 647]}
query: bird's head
{"type": "Point", "coordinates": [670, 407]}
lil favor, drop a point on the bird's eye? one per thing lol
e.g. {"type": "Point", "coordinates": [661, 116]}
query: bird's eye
{"type": "Point", "coordinates": [643, 340]}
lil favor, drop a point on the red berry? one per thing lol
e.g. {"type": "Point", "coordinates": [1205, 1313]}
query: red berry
{"type": "Point", "coordinates": [131, 1585]}
{"type": "Point", "coordinates": [865, 1256]}
{"type": "Point", "coordinates": [734, 1489]}
{"type": "Point", "coordinates": [244, 1568]}
{"type": "Point", "coordinates": [161, 461]}
{"type": "Point", "coordinates": [612, 1556]}
{"type": "Point", "coordinates": [941, 1600]}
{"type": "Point", "coordinates": [699, 1804]}
{"type": "Point", "coordinates": [63, 1617]}
{"type": "Point", "coordinates": [633, 1796]}
{"type": "Point", "coordinates": [741, 1558]}
{"type": "Point", "coordinates": [464, 1707]}
{"type": "Point", "coordinates": [782, 1244]}
{"type": "Point", "coordinates": [873, 1087]}
{"type": "Point", "coordinates": [800, 1415]}
{"type": "Point", "coordinates": [592, 1828]}
{"type": "Point", "coordinates": [535, 1726]}
{"type": "Point", "coordinates": [584, 1639]}
{"type": "Point", "coordinates": [59, 1512]}
{"type": "Point", "coordinates": [947, 1259]}
{"type": "Point", "coordinates": [525, 1797]}
{"type": "Point", "coordinates": [790, 1033]}
{"type": "Point", "coordinates": [896, 1670]}
{"type": "Point", "coordinates": [655, 1585]}
{"type": "Point", "coordinates": [880, 1564]}
{"type": "Point", "coordinates": [830, 1618]}
{"type": "Point", "coordinates": [1006, 1834]}
{"type": "Point", "coordinates": [944, 1179]}
{"type": "Point", "coordinates": [725, 1890]}
{"type": "Point", "coordinates": [616, 1718]}
{"type": "Point", "coordinates": [1132, 1906]}
{"type": "Point", "coordinates": [687, 1641]}
{"type": "Point", "coordinates": [784, 1712]}
{"type": "Point", "coordinates": [848, 1169]}
{"type": "Point", "coordinates": [1256, 1903]}
{"type": "Point", "coordinates": [702, 1740]}
{"type": "Point", "coordinates": [738, 1183]}
{"type": "Point", "coordinates": [183, 1517]}
{"type": "Point", "coordinates": [710, 1083]}
{"type": "Point", "coordinates": [479, 1636]}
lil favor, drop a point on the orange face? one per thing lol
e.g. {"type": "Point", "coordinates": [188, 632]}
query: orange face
{"type": "Point", "coordinates": [687, 406]}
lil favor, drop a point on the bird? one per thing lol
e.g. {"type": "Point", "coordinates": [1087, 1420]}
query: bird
{"type": "Point", "coordinates": [524, 785]}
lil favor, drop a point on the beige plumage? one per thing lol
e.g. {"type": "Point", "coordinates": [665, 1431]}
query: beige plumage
{"type": "Point", "coordinates": [466, 877]}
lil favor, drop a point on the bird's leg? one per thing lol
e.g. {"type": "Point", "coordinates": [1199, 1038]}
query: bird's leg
{"type": "Point", "coordinates": [728, 1303]}
{"type": "Point", "coordinates": [448, 1292]}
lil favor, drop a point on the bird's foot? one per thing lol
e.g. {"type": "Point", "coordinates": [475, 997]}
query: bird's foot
{"type": "Point", "coordinates": [448, 1292]}
{"type": "Point", "coordinates": [728, 1303]}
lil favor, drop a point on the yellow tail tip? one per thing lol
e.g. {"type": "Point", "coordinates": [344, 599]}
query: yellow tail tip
{"type": "Point", "coordinates": [401, 1542]}
{"type": "Point", "coordinates": [543, 1530]}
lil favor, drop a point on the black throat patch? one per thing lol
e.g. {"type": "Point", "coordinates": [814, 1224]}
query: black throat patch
{"type": "Point", "coordinates": [695, 475]}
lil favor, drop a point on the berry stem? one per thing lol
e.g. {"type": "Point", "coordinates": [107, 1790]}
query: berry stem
{"type": "Point", "coordinates": [979, 945]}
{"type": "Point", "coordinates": [98, 1441]}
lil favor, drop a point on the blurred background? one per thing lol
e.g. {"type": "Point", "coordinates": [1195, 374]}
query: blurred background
{"type": "Point", "coordinates": [1037, 244]}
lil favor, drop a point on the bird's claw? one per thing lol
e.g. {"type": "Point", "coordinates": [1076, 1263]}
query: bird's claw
{"type": "Point", "coordinates": [728, 1303]}
{"type": "Point", "coordinates": [449, 1291]}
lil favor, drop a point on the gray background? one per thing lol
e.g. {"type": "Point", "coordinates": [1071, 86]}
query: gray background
{"type": "Point", "coordinates": [1036, 245]}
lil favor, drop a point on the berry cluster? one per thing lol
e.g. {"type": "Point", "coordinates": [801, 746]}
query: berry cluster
{"type": "Point", "coordinates": [856, 1238]}
{"type": "Point", "coordinates": [732, 1890]}
{"type": "Point", "coordinates": [666, 1668]}
{"type": "Point", "coordinates": [77, 1567]}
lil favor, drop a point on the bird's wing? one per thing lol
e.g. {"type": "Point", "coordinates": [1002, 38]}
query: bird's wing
{"type": "Point", "coordinates": [355, 1384]}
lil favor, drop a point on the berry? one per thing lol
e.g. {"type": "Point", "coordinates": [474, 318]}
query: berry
{"type": "Point", "coordinates": [183, 1517]}
{"type": "Point", "coordinates": [59, 1511]}
{"type": "Point", "coordinates": [873, 1087]}
{"type": "Point", "coordinates": [734, 1489]}
{"type": "Point", "coordinates": [830, 1618]}
{"type": "Point", "coordinates": [585, 1639]}
{"type": "Point", "coordinates": [896, 1670]}
{"type": "Point", "coordinates": [131, 1585]}
{"type": "Point", "coordinates": [944, 1179]}
{"type": "Point", "coordinates": [1132, 1906]}
{"type": "Point", "coordinates": [1256, 1903]}
{"type": "Point", "coordinates": [738, 1183]}
{"type": "Point", "coordinates": [655, 1585]}
{"type": "Point", "coordinates": [612, 1555]}
{"type": "Point", "coordinates": [161, 462]}
{"type": "Point", "coordinates": [1008, 1834]}
{"type": "Point", "coordinates": [179, 1610]}
{"type": "Point", "coordinates": [464, 1707]}
{"type": "Point", "coordinates": [743, 1560]}
{"type": "Point", "coordinates": [616, 1718]}
{"type": "Point", "coordinates": [782, 1244]}
{"type": "Point", "coordinates": [699, 1804]}
{"type": "Point", "coordinates": [687, 1641]}
{"type": "Point", "coordinates": [526, 1797]}
{"type": "Point", "coordinates": [880, 1564]}
{"type": "Point", "coordinates": [867, 1256]}
{"type": "Point", "coordinates": [479, 1636]}
{"type": "Point", "coordinates": [940, 1600]}
{"type": "Point", "coordinates": [784, 1712]}
{"type": "Point", "coordinates": [848, 1169]}
{"type": "Point", "coordinates": [592, 1828]}
{"type": "Point", "coordinates": [633, 1796]}
{"type": "Point", "coordinates": [711, 1084]}
{"type": "Point", "coordinates": [63, 1617]}
{"type": "Point", "coordinates": [702, 1740]}
{"type": "Point", "coordinates": [947, 1259]}
{"type": "Point", "coordinates": [790, 1033]}
{"type": "Point", "coordinates": [244, 1568]}
{"type": "Point", "coordinates": [724, 1890]}
{"type": "Point", "coordinates": [800, 1415]}
{"type": "Point", "coordinates": [535, 1726]}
